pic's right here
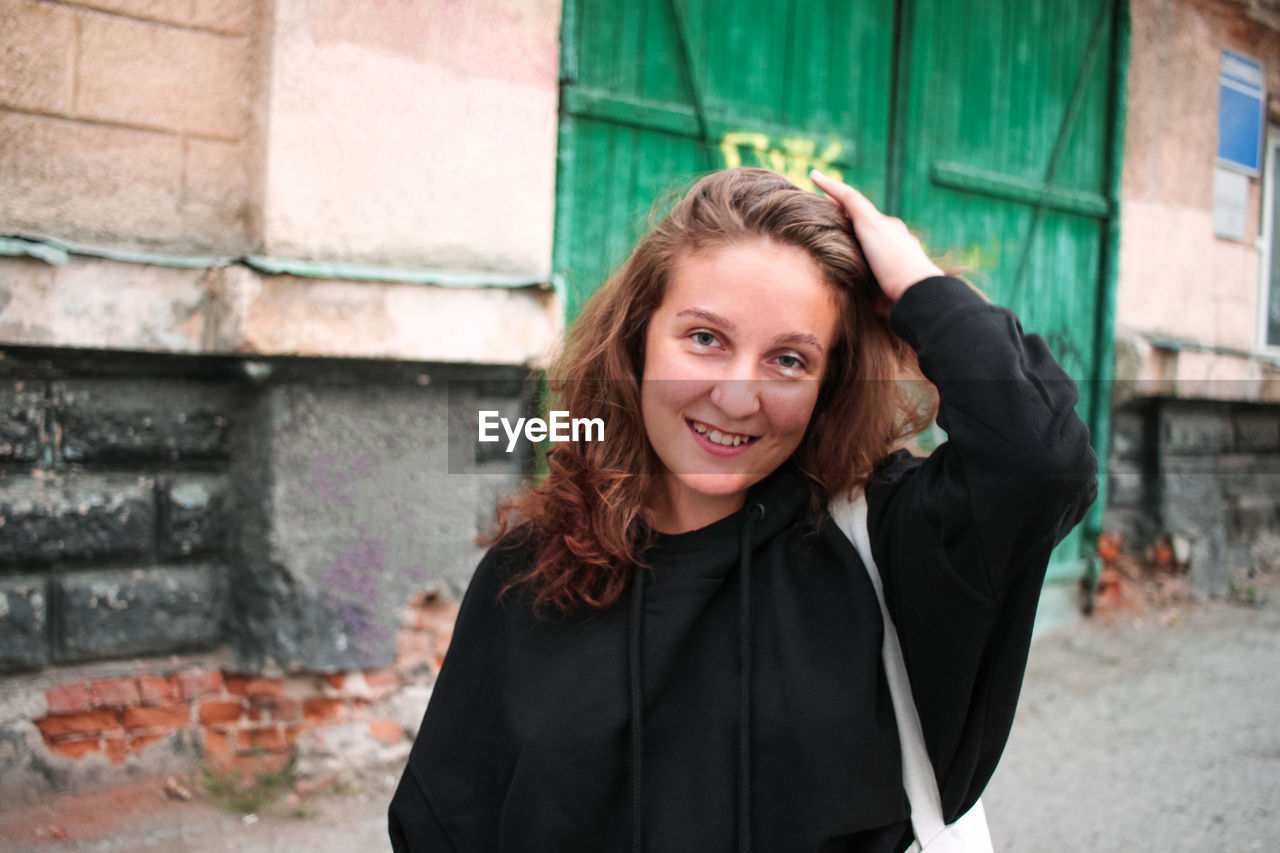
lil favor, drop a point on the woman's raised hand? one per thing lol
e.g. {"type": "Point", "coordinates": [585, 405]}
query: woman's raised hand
{"type": "Point", "coordinates": [896, 257]}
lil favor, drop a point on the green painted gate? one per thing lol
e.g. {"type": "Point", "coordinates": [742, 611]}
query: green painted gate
{"type": "Point", "coordinates": [991, 126]}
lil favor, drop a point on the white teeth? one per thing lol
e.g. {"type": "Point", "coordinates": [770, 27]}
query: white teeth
{"type": "Point", "coordinates": [718, 437]}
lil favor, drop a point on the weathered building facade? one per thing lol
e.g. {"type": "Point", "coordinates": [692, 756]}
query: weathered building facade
{"type": "Point", "coordinates": [259, 264]}
{"type": "Point", "coordinates": [1195, 457]}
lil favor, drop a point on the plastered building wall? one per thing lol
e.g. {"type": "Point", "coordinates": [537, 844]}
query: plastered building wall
{"type": "Point", "coordinates": [1194, 462]}
{"type": "Point", "coordinates": [419, 134]}
{"type": "Point", "coordinates": [414, 138]}
{"type": "Point", "coordinates": [1176, 279]}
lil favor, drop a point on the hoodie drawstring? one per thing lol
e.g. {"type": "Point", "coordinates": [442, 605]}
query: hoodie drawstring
{"type": "Point", "coordinates": [637, 736]}
{"type": "Point", "coordinates": [755, 512]}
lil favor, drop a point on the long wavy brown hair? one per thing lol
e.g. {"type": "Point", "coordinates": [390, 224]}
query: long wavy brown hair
{"type": "Point", "coordinates": [588, 519]}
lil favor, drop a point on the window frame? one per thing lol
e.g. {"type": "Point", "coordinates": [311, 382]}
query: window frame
{"type": "Point", "coordinates": [1268, 237]}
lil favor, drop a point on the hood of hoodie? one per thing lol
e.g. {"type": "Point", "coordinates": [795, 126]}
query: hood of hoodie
{"type": "Point", "coordinates": [683, 569]}
{"type": "Point", "coordinates": [784, 496]}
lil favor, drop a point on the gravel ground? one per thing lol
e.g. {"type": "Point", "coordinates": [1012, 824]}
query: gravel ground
{"type": "Point", "coordinates": [1158, 732]}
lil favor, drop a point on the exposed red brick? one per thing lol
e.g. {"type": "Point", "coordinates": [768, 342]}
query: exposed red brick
{"type": "Point", "coordinates": [381, 678]}
{"type": "Point", "coordinates": [323, 710]}
{"type": "Point", "coordinates": [68, 698]}
{"type": "Point", "coordinates": [158, 717]}
{"type": "Point", "coordinates": [87, 723]}
{"type": "Point", "coordinates": [154, 690]}
{"type": "Point", "coordinates": [256, 714]}
{"type": "Point", "coordinates": [439, 612]}
{"type": "Point", "coordinates": [336, 680]}
{"type": "Point", "coordinates": [435, 619]}
{"type": "Point", "coordinates": [220, 712]}
{"type": "Point", "coordinates": [197, 683]}
{"type": "Point", "coordinates": [75, 748]}
{"type": "Point", "coordinates": [1113, 594]}
{"type": "Point", "coordinates": [138, 742]}
{"type": "Point", "coordinates": [291, 734]}
{"type": "Point", "coordinates": [286, 711]}
{"type": "Point", "coordinates": [386, 731]}
{"type": "Point", "coordinates": [441, 640]}
{"type": "Point", "coordinates": [219, 747]}
{"type": "Point", "coordinates": [267, 739]}
{"type": "Point", "coordinates": [114, 693]}
{"type": "Point", "coordinates": [413, 649]}
{"type": "Point", "coordinates": [1110, 544]}
{"type": "Point", "coordinates": [447, 612]}
{"type": "Point", "coordinates": [254, 686]}
{"type": "Point", "coordinates": [117, 748]}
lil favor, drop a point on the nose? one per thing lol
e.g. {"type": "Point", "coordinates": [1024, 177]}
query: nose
{"type": "Point", "coordinates": [737, 393]}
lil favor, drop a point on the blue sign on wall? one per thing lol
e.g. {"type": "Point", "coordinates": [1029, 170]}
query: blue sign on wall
{"type": "Point", "coordinates": [1240, 106]}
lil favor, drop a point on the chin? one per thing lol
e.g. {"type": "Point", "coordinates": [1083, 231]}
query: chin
{"type": "Point", "coordinates": [717, 485]}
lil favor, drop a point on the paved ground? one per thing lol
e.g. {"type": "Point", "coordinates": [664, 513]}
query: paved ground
{"type": "Point", "coordinates": [1156, 733]}
{"type": "Point", "coordinates": [1148, 737]}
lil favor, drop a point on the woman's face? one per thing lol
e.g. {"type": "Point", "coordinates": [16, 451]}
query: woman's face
{"type": "Point", "coordinates": [734, 358]}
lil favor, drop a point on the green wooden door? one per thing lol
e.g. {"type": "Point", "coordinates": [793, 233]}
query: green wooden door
{"type": "Point", "coordinates": [656, 92]}
{"type": "Point", "coordinates": [988, 125]}
{"type": "Point", "coordinates": [1004, 122]}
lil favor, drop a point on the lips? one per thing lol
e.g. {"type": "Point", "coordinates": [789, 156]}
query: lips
{"type": "Point", "coordinates": [720, 437]}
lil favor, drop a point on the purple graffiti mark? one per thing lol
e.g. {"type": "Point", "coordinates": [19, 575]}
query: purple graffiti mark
{"type": "Point", "coordinates": [406, 573]}
{"type": "Point", "coordinates": [335, 482]}
{"type": "Point", "coordinates": [362, 464]}
{"type": "Point", "coordinates": [352, 587]}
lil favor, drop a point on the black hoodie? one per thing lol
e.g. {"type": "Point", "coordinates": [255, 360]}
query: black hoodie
{"type": "Point", "coordinates": [735, 698]}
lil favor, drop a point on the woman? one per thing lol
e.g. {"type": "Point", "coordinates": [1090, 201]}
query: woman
{"type": "Point", "coordinates": [673, 647]}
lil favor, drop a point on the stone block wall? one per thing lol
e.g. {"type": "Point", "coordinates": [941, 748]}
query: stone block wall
{"type": "Point", "coordinates": [128, 122]}
{"type": "Point", "coordinates": [240, 564]}
{"type": "Point", "coordinates": [1202, 478]}
{"type": "Point", "coordinates": [114, 517]}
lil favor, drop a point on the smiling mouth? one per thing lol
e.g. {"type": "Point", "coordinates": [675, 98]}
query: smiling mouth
{"type": "Point", "coordinates": [715, 436]}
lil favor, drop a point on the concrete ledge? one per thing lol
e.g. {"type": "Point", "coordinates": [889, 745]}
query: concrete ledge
{"type": "Point", "coordinates": [101, 303]}
{"type": "Point", "coordinates": [1152, 365]}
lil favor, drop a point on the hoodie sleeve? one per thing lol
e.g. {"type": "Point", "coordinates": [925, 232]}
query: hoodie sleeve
{"type": "Point", "coordinates": [451, 793]}
{"type": "Point", "coordinates": [963, 537]}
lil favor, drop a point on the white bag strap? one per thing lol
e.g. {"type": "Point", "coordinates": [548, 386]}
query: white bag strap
{"type": "Point", "coordinates": [917, 771]}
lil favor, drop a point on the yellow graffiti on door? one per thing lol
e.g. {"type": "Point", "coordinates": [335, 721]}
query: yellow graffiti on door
{"type": "Point", "coordinates": [792, 158]}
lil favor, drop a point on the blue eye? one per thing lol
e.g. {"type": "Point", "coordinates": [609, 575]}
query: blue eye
{"type": "Point", "coordinates": [790, 362]}
{"type": "Point", "coordinates": [704, 338]}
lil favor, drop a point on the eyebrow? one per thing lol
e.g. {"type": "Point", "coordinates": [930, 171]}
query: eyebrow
{"type": "Point", "coordinates": [792, 338]}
